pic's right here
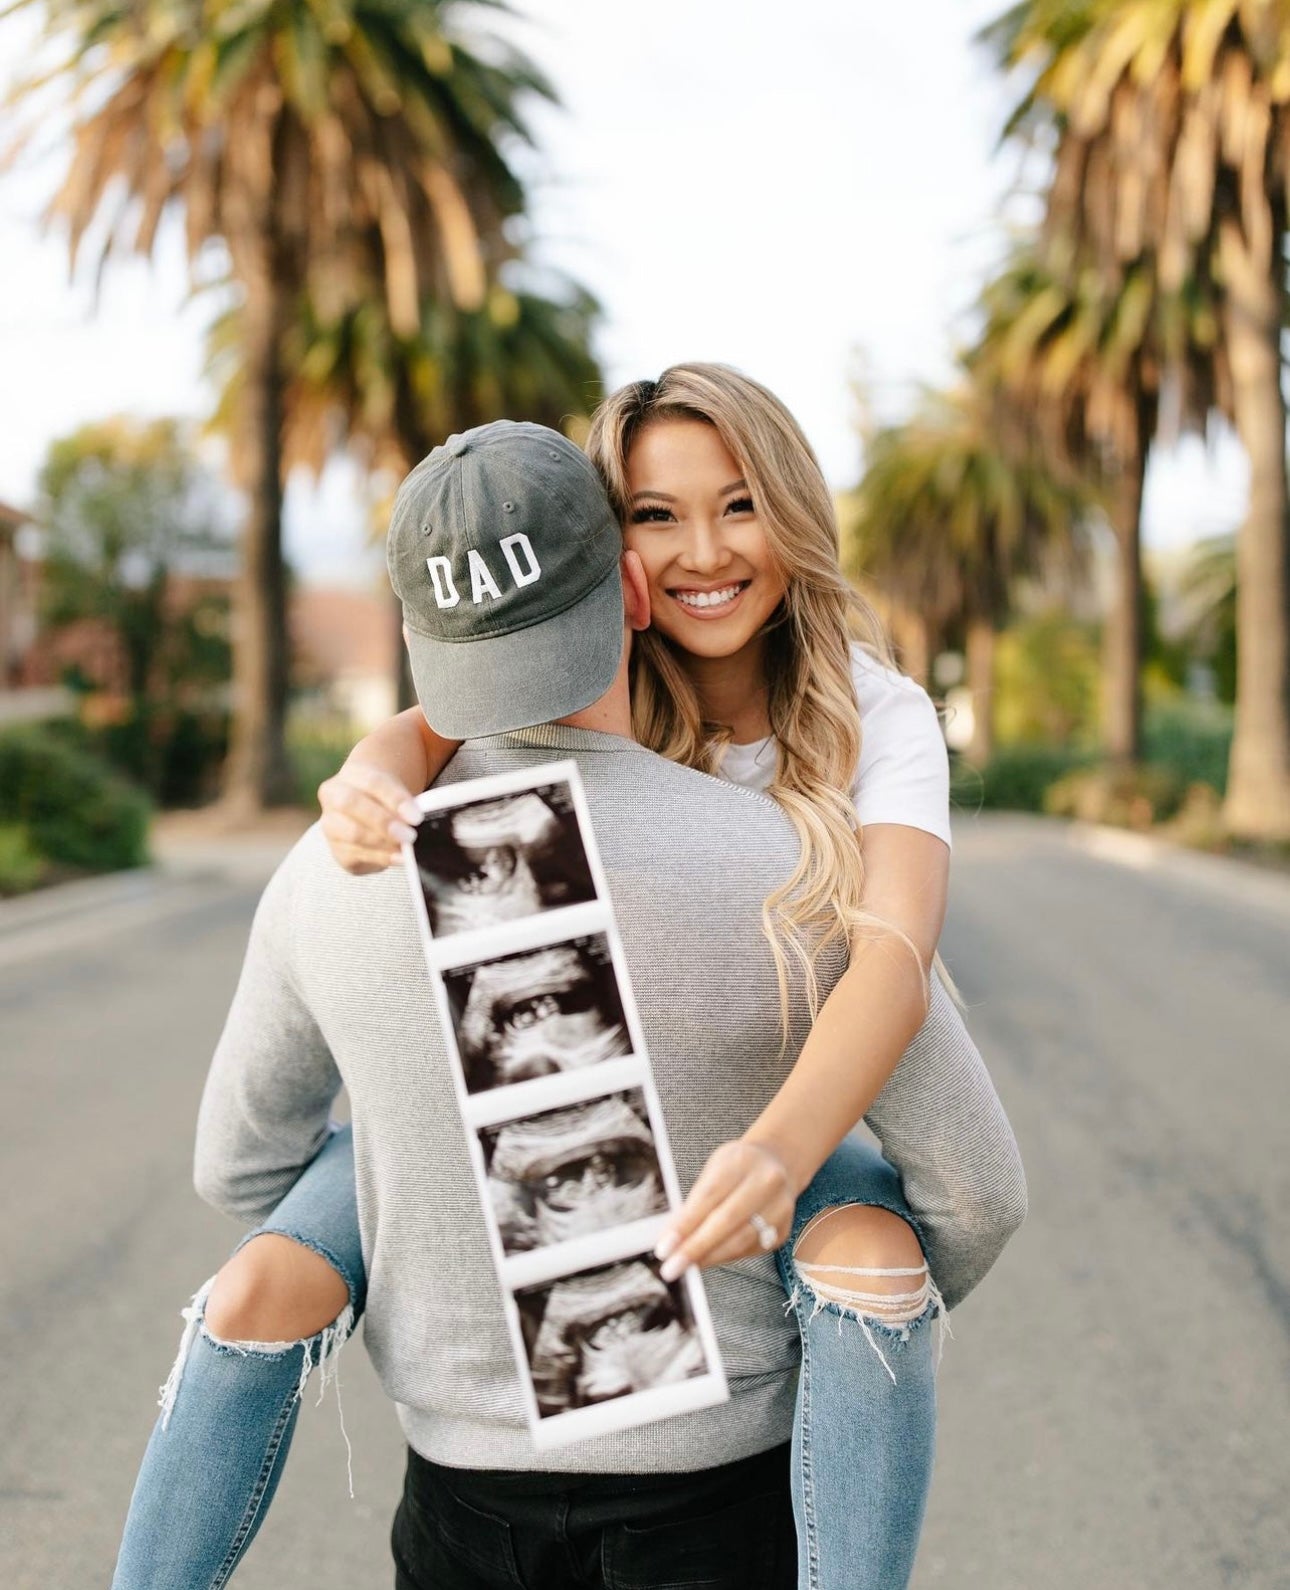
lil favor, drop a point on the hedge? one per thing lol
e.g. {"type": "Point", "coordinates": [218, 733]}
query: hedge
{"type": "Point", "coordinates": [73, 811]}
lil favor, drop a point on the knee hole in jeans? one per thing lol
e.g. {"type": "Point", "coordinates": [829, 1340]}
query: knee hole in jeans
{"type": "Point", "coordinates": [274, 1290]}
{"type": "Point", "coordinates": [865, 1257]}
{"type": "Point", "coordinates": [863, 1262]}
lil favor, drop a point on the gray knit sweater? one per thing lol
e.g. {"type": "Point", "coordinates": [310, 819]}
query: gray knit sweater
{"type": "Point", "coordinates": [334, 992]}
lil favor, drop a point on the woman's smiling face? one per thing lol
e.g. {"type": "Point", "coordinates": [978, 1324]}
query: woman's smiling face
{"type": "Point", "coordinates": [713, 581]}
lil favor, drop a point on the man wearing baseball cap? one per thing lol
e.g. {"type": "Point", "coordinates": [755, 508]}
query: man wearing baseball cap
{"type": "Point", "coordinates": [506, 555]}
{"type": "Point", "coordinates": [519, 607]}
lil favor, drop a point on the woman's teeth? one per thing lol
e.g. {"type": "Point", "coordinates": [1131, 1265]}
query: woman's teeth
{"type": "Point", "coordinates": [708, 598]}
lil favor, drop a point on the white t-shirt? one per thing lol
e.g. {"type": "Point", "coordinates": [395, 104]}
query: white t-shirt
{"type": "Point", "coordinates": [904, 773]}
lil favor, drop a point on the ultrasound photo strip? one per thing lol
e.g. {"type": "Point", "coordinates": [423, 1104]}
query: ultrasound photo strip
{"type": "Point", "coordinates": [611, 1347]}
{"type": "Point", "coordinates": [573, 1172]}
{"type": "Point", "coordinates": [564, 1125]}
{"type": "Point", "coordinates": [575, 1186]}
{"type": "Point", "coordinates": [537, 1013]}
{"type": "Point", "coordinates": [508, 863]}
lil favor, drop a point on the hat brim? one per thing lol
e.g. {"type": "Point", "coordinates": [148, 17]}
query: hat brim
{"type": "Point", "coordinates": [468, 689]}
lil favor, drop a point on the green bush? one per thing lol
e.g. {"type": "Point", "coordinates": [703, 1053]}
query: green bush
{"type": "Point", "coordinates": [1193, 739]}
{"type": "Point", "coordinates": [175, 754]}
{"type": "Point", "coordinates": [1185, 743]}
{"type": "Point", "coordinates": [76, 812]}
{"type": "Point", "coordinates": [192, 758]}
{"type": "Point", "coordinates": [1047, 670]}
{"type": "Point", "coordinates": [316, 751]}
{"type": "Point", "coordinates": [1015, 778]}
{"type": "Point", "coordinates": [21, 867]}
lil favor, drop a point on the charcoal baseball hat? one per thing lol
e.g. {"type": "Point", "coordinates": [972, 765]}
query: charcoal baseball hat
{"type": "Point", "coordinates": [504, 551]}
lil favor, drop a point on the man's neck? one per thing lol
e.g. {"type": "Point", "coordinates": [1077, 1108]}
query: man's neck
{"type": "Point", "coordinates": [608, 716]}
{"type": "Point", "coordinates": [612, 714]}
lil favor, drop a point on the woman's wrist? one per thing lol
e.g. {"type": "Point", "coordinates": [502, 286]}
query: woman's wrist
{"type": "Point", "coordinates": [795, 1166]}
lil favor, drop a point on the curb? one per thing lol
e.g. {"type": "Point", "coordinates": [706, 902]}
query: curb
{"type": "Point", "coordinates": [173, 867]}
{"type": "Point", "coordinates": [45, 906]}
{"type": "Point", "coordinates": [1229, 878]}
{"type": "Point", "coordinates": [1227, 875]}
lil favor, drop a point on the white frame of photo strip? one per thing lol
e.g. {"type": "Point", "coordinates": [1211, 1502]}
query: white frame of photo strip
{"type": "Point", "coordinates": [513, 1101]}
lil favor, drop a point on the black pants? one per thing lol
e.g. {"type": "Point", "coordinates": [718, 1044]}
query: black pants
{"type": "Point", "coordinates": [729, 1528]}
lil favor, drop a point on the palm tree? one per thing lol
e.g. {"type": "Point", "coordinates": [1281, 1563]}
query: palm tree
{"type": "Point", "coordinates": [290, 132]}
{"type": "Point", "coordinates": [947, 523]}
{"type": "Point", "coordinates": [1171, 127]}
{"type": "Point", "coordinates": [1077, 362]}
{"type": "Point", "coordinates": [354, 380]}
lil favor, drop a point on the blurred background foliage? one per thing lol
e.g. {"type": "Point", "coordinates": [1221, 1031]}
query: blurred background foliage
{"type": "Point", "coordinates": [352, 182]}
{"type": "Point", "coordinates": [137, 562]}
{"type": "Point", "coordinates": [62, 812]}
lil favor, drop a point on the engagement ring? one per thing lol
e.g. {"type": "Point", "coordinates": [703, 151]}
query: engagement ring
{"type": "Point", "coordinates": [765, 1232]}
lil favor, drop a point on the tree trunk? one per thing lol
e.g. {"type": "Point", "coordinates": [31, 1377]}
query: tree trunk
{"type": "Point", "coordinates": [1258, 787]}
{"type": "Point", "coordinates": [916, 644]}
{"type": "Point", "coordinates": [258, 773]}
{"type": "Point", "coordinates": [980, 682]}
{"type": "Point", "coordinates": [1122, 631]}
{"type": "Point", "coordinates": [414, 445]}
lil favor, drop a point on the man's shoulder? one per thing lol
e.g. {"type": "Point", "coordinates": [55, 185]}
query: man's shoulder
{"type": "Point", "coordinates": [304, 859]}
{"type": "Point", "coordinates": [309, 879]}
{"type": "Point", "coordinates": [648, 811]}
{"type": "Point", "coordinates": [615, 770]}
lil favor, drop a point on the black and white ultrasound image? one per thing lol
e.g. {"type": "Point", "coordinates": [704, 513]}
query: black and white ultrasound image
{"type": "Point", "coordinates": [537, 1013]}
{"type": "Point", "coordinates": [500, 860]}
{"type": "Point", "coordinates": [607, 1333]}
{"type": "Point", "coordinates": [569, 1172]}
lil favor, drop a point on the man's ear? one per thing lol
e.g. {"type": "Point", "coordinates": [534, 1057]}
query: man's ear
{"type": "Point", "coordinates": [635, 592]}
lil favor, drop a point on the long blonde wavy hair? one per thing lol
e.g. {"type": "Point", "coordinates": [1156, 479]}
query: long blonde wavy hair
{"type": "Point", "coordinates": [814, 714]}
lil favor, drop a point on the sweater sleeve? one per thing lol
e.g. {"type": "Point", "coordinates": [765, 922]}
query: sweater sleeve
{"type": "Point", "coordinates": [941, 1125]}
{"type": "Point", "coordinates": [267, 1102]}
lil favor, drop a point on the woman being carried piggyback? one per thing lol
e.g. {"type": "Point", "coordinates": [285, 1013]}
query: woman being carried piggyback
{"type": "Point", "coordinates": [762, 667]}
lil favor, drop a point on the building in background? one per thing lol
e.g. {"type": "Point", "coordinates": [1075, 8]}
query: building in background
{"type": "Point", "coordinates": [346, 645]}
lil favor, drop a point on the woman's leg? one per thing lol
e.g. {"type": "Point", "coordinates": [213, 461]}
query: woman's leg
{"type": "Point", "coordinates": [285, 1302]}
{"type": "Point", "coordinates": [866, 1401]}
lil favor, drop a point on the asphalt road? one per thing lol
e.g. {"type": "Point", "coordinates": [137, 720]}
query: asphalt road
{"type": "Point", "coordinates": [1115, 1407]}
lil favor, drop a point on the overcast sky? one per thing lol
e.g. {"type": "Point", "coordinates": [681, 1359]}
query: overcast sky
{"type": "Point", "coordinates": [792, 190]}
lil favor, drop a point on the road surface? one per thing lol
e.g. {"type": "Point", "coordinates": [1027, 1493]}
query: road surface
{"type": "Point", "coordinates": [1115, 1404]}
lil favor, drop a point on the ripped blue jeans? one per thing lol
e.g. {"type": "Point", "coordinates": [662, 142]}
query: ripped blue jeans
{"type": "Point", "coordinates": [865, 1423]}
{"type": "Point", "coordinates": [862, 1438]}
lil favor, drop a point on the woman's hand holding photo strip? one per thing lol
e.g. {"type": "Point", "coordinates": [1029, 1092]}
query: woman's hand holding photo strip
{"type": "Point", "coordinates": [575, 1174]}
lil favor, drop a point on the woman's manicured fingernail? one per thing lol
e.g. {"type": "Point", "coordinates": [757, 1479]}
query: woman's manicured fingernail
{"type": "Point", "coordinates": [673, 1267]}
{"type": "Point", "coordinates": [665, 1244]}
{"type": "Point", "coordinates": [410, 812]}
{"type": "Point", "coordinates": [402, 833]}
